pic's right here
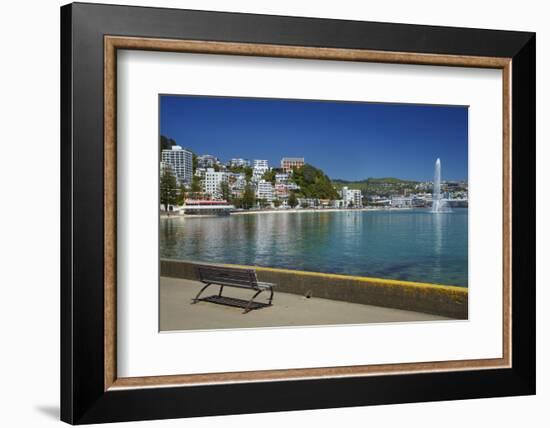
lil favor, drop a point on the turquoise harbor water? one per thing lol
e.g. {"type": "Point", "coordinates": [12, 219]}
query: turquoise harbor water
{"type": "Point", "coordinates": [413, 245]}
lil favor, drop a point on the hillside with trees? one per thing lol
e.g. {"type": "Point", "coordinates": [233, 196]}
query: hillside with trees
{"type": "Point", "coordinates": [378, 186]}
{"type": "Point", "coordinates": [314, 183]}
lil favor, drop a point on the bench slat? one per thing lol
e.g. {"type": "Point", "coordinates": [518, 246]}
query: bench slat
{"type": "Point", "coordinates": [229, 281]}
{"type": "Point", "coordinates": [232, 277]}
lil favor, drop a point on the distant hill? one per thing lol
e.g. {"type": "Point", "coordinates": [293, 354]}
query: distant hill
{"type": "Point", "coordinates": [372, 185]}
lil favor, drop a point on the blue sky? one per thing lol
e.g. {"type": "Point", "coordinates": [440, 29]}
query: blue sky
{"type": "Point", "coordinates": [347, 140]}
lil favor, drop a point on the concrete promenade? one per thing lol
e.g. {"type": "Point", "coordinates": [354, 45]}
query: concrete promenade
{"type": "Point", "coordinates": [177, 312]}
{"type": "Point", "coordinates": [442, 300]}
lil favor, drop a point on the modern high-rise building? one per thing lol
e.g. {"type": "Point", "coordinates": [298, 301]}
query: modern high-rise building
{"type": "Point", "coordinates": [180, 161]}
{"type": "Point", "coordinates": [212, 182]}
{"type": "Point", "coordinates": [287, 164]}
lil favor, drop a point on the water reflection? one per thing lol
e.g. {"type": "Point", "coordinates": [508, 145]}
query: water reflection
{"type": "Point", "coordinates": [412, 245]}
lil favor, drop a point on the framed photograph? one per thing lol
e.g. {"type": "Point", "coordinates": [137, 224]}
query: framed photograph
{"type": "Point", "coordinates": [316, 212]}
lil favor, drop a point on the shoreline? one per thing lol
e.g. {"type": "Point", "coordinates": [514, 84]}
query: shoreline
{"type": "Point", "coordinates": [288, 211]}
{"type": "Point", "coordinates": [314, 210]}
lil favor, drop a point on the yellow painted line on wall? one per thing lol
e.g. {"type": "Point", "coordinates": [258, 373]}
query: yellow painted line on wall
{"type": "Point", "coordinates": [366, 279]}
{"type": "Point", "coordinates": [370, 280]}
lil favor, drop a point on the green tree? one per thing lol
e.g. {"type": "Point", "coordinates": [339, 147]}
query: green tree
{"type": "Point", "coordinates": [168, 189]}
{"type": "Point", "coordinates": [196, 185]}
{"type": "Point", "coordinates": [269, 176]}
{"type": "Point", "coordinates": [248, 171]}
{"type": "Point", "coordinates": [277, 203]}
{"type": "Point", "coordinates": [304, 205]}
{"type": "Point", "coordinates": [263, 203]}
{"type": "Point", "coordinates": [181, 195]}
{"type": "Point", "coordinates": [292, 200]}
{"type": "Point", "coordinates": [249, 197]}
{"type": "Point", "coordinates": [224, 190]}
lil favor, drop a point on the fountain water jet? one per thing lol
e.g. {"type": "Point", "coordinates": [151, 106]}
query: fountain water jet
{"type": "Point", "coordinates": [438, 204]}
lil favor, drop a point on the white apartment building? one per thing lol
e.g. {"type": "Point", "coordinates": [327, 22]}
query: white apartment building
{"type": "Point", "coordinates": [281, 190]}
{"type": "Point", "coordinates": [308, 202]}
{"type": "Point", "coordinates": [292, 186]}
{"type": "Point", "coordinates": [261, 163]}
{"type": "Point", "coordinates": [281, 177]}
{"type": "Point", "coordinates": [261, 166]}
{"type": "Point", "coordinates": [199, 172]}
{"type": "Point", "coordinates": [265, 191]}
{"type": "Point", "coordinates": [207, 161]}
{"type": "Point", "coordinates": [239, 162]}
{"type": "Point", "coordinates": [237, 181]}
{"type": "Point", "coordinates": [180, 161]}
{"type": "Point", "coordinates": [401, 201]}
{"type": "Point", "coordinates": [352, 196]}
{"type": "Point", "coordinates": [212, 182]}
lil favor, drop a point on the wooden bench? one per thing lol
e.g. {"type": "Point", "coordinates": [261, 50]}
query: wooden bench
{"type": "Point", "coordinates": [232, 277]}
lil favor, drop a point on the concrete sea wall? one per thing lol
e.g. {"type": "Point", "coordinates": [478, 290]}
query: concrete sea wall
{"type": "Point", "coordinates": [444, 300]}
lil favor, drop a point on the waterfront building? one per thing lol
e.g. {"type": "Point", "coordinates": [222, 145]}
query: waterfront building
{"type": "Point", "coordinates": [351, 197]}
{"type": "Point", "coordinates": [398, 201]}
{"type": "Point", "coordinates": [265, 191]}
{"type": "Point", "coordinates": [308, 202]}
{"type": "Point", "coordinates": [287, 164]}
{"type": "Point", "coordinates": [207, 161]}
{"type": "Point", "coordinates": [180, 161]}
{"type": "Point", "coordinates": [239, 162]}
{"type": "Point", "coordinates": [378, 200]}
{"type": "Point", "coordinates": [206, 207]}
{"type": "Point", "coordinates": [212, 182]}
{"type": "Point", "coordinates": [417, 202]}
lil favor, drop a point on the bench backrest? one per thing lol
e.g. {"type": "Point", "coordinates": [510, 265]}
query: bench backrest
{"type": "Point", "coordinates": [236, 277]}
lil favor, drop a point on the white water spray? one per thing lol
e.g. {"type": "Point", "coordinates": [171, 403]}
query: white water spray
{"type": "Point", "coordinates": [438, 204]}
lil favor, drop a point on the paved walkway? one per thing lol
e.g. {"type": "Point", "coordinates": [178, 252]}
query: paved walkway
{"type": "Point", "coordinates": [177, 312]}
